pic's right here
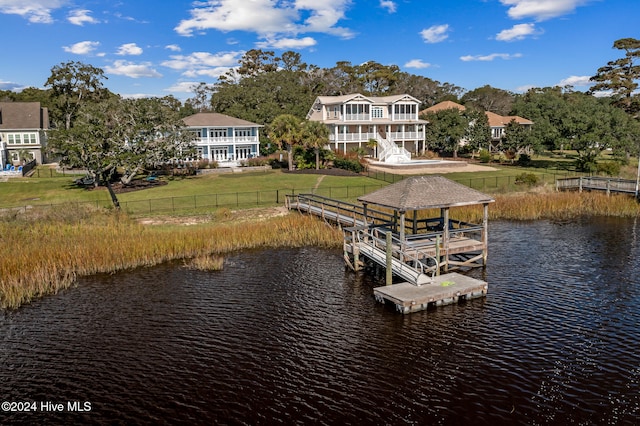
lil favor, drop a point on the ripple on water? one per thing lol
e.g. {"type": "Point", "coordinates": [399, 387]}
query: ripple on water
{"type": "Point", "coordinates": [291, 336]}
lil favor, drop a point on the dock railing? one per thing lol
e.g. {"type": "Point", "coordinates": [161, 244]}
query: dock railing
{"type": "Point", "coordinates": [598, 184]}
{"type": "Point", "coordinates": [413, 265]}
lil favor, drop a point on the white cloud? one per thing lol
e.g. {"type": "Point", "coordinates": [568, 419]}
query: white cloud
{"type": "Point", "coordinates": [81, 17]}
{"type": "Point", "coordinates": [204, 63]}
{"type": "Point", "coordinates": [491, 57]}
{"type": "Point", "coordinates": [82, 48]}
{"type": "Point", "coordinates": [417, 63]}
{"type": "Point", "coordinates": [36, 11]}
{"type": "Point", "coordinates": [435, 33]}
{"type": "Point", "coordinates": [541, 9]}
{"type": "Point", "coordinates": [131, 69]}
{"type": "Point", "coordinates": [389, 5]}
{"type": "Point", "coordinates": [173, 47]}
{"type": "Point", "coordinates": [129, 49]}
{"type": "Point", "coordinates": [576, 80]}
{"type": "Point", "coordinates": [517, 32]}
{"type": "Point", "coordinates": [267, 17]}
{"type": "Point", "coordinates": [182, 87]}
{"type": "Point", "coordinates": [287, 43]}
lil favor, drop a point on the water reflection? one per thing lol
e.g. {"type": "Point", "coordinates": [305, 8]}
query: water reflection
{"type": "Point", "coordinates": [291, 336]}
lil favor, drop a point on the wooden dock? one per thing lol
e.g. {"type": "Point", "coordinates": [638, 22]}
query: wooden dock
{"type": "Point", "coordinates": [593, 183]}
{"type": "Point", "coordinates": [407, 245]}
{"type": "Point", "coordinates": [442, 290]}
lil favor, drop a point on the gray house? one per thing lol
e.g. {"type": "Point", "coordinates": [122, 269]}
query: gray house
{"type": "Point", "coordinates": [23, 127]}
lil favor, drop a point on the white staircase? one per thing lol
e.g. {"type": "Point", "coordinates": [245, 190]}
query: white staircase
{"type": "Point", "coordinates": [389, 152]}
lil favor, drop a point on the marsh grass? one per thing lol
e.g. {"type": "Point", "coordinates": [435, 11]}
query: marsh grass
{"type": "Point", "coordinates": [45, 252]}
{"type": "Point", "coordinates": [205, 263]}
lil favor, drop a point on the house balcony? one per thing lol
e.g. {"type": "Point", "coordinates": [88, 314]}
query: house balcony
{"type": "Point", "coordinates": [364, 136]}
{"type": "Point", "coordinates": [229, 140]}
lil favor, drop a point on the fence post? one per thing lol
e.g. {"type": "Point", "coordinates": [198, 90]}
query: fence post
{"type": "Point", "coordinates": [277, 196]}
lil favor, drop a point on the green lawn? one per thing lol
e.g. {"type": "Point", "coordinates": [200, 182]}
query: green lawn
{"type": "Point", "coordinates": [246, 189]}
{"type": "Point", "coordinates": [228, 188]}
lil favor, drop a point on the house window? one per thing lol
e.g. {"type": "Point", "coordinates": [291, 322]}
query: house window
{"type": "Point", "coordinates": [15, 156]}
{"type": "Point", "coordinates": [218, 133]}
{"type": "Point", "coordinates": [377, 112]}
{"type": "Point", "coordinates": [13, 139]}
{"type": "Point", "coordinates": [243, 132]}
{"type": "Point", "coordinates": [219, 154]}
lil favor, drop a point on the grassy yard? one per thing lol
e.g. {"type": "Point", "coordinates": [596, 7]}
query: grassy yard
{"type": "Point", "coordinates": [185, 195]}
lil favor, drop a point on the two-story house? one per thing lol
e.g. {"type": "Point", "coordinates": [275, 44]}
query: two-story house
{"type": "Point", "coordinates": [23, 127]}
{"type": "Point", "coordinates": [223, 138]}
{"type": "Point", "coordinates": [354, 120]}
{"type": "Point", "coordinates": [497, 123]}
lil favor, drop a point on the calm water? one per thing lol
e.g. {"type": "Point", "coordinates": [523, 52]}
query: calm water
{"type": "Point", "coordinates": [292, 337]}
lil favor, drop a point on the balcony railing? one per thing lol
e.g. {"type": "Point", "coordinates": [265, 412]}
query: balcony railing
{"type": "Point", "coordinates": [226, 140]}
{"type": "Point", "coordinates": [364, 137]}
{"type": "Point", "coordinates": [357, 117]}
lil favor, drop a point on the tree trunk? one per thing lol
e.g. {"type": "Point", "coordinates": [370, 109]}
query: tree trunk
{"type": "Point", "coordinates": [290, 157]}
{"type": "Point", "coordinates": [317, 159]}
{"type": "Point", "coordinates": [114, 199]}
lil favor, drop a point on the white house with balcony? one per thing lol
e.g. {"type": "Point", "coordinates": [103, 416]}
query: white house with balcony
{"type": "Point", "coordinates": [222, 138]}
{"type": "Point", "coordinates": [354, 120]}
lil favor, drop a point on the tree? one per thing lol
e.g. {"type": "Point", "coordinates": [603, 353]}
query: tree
{"type": "Point", "coordinates": [122, 134]}
{"type": "Point", "coordinates": [621, 76]}
{"type": "Point", "coordinates": [489, 98]}
{"type": "Point", "coordinates": [285, 131]}
{"type": "Point", "coordinates": [315, 135]}
{"type": "Point", "coordinates": [201, 100]}
{"type": "Point", "coordinates": [154, 135]}
{"type": "Point", "coordinates": [478, 132]}
{"type": "Point", "coordinates": [446, 129]}
{"type": "Point", "coordinates": [516, 140]}
{"type": "Point", "coordinates": [73, 84]}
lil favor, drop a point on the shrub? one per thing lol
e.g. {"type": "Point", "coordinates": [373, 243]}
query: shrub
{"type": "Point", "coordinates": [524, 160]}
{"type": "Point", "coordinates": [257, 161]}
{"type": "Point", "coordinates": [609, 168]}
{"type": "Point", "coordinates": [485, 156]}
{"type": "Point", "coordinates": [529, 179]}
{"type": "Point", "coordinates": [348, 164]}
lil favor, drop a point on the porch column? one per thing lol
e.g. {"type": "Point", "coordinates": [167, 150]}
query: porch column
{"type": "Point", "coordinates": [402, 236]}
{"type": "Point", "coordinates": [335, 142]}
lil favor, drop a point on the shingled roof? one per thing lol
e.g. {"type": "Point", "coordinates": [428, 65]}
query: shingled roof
{"type": "Point", "coordinates": [214, 119]}
{"type": "Point", "coordinates": [425, 192]}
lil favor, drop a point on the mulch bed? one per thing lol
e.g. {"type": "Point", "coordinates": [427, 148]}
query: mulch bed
{"type": "Point", "coordinates": [329, 172]}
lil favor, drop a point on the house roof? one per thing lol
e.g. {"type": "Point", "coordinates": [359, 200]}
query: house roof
{"type": "Point", "coordinates": [496, 120]}
{"type": "Point", "coordinates": [443, 106]}
{"type": "Point", "coordinates": [425, 192]}
{"type": "Point", "coordinates": [214, 119]}
{"type": "Point", "coordinates": [23, 116]}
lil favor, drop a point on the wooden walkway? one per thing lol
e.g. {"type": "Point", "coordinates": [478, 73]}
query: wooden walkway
{"type": "Point", "coordinates": [417, 259]}
{"type": "Point", "coordinates": [591, 183]}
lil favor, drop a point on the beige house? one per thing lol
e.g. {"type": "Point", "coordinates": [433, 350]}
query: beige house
{"type": "Point", "coordinates": [23, 127]}
{"type": "Point", "coordinates": [225, 139]}
{"type": "Point", "coordinates": [354, 120]}
{"type": "Point", "coordinates": [497, 123]}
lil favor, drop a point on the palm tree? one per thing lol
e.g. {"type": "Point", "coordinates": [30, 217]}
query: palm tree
{"type": "Point", "coordinates": [372, 144]}
{"type": "Point", "coordinates": [285, 131]}
{"type": "Point", "coordinates": [315, 135]}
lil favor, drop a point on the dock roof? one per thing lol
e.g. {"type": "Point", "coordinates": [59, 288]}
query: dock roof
{"type": "Point", "coordinates": [425, 192]}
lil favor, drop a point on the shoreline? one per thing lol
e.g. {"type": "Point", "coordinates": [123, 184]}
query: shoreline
{"type": "Point", "coordinates": [54, 250]}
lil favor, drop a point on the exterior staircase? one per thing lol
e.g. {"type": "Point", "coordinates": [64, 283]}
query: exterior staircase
{"type": "Point", "coordinates": [389, 152]}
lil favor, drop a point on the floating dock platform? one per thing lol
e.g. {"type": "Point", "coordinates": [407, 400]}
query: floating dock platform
{"type": "Point", "coordinates": [444, 290]}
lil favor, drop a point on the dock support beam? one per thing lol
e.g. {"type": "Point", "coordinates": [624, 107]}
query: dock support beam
{"type": "Point", "coordinates": [389, 259]}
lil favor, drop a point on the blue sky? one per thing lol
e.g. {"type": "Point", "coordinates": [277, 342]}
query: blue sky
{"type": "Point", "coordinates": [157, 48]}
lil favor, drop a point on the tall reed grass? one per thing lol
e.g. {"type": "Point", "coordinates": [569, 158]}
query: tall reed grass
{"type": "Point", "coordinates": [43, 254]}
